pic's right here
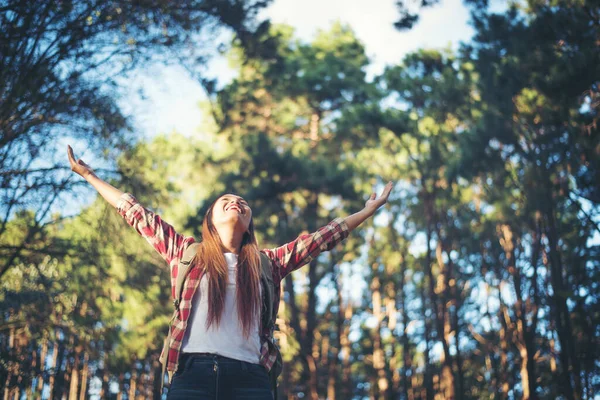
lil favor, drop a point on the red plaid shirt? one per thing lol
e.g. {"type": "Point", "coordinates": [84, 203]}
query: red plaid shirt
{"type": "Point", "coordinates": [171, 245]}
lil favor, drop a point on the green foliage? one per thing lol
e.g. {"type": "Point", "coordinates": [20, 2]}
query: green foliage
{"type": "Point", "coordinates": [62, 64]}
{"type": "Point", "coordinates": [477, 281]}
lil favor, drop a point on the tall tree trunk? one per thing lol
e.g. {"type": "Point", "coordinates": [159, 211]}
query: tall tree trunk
{"type": "Point", "coordinates": [9, 375]}
{"type": "Point", "coordinates": [104, 391]}
{"type": "Point", "coordinates": [505, 340]}
{"type": "Point", "coordinates": [535, 306]}
{"type": "Point", "coordinates": [333, 375]}
{"type": "Point", "coordinates": [336, 346]}
{"type": "Point", "coordinates": [53, 367]}
{"type": "Point", "coordinates": [569, 362]}
{"type": "Point", "coordinates": [7, 385]}
{"type": "Point", "coordinates": [282, 336]}
{"type": "Point", "coordinates": [523, 342]}
{"type": "Point", "coordinates": [392, 370]}
{"type": "Point", "coordinates": [378, 353]}
{"type": "Point", "coordinates": [295, 317]}
{"type": "Point", "coordinates": [42, 366]}
{"type": "Point", "coordinates": [121, 386]}
{"type": "Point", "coordinates": [458, 357]}
{"type": "Point", "coordinates": [306, 332]}
{"type": "Point", "coordinates": [34, 368]}
{"type": "Point", "coordinates": [346, 349]}
{"type": "Point", "coordinates": [61, 379]}
{"type": "Point", "coordinates": [84, 376]}
{"type": "Point", "coordinates": [132, 383]}
{"type": "Point", "coordinates": [442, 322]}
{"type": "Point", "coordinates": [450, 296]}
{"type": "Point", "coordinates": [428, 378]}
{"type": "Point", "coordinates": [308, 339]}
{"type": "Point", "coordinates": [493, 363]}
{"type": "Point", "coordinates": [74, 380]}
{"type": "Point", "coordinates": [157, 378]}
{"type": "Point", "coordinates": [407, 371]}
{"type": "Point", "coordinates": [393, 376]}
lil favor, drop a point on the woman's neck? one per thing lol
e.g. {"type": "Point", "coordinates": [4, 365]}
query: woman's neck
{"type": "Point", "coordinates": [230, 238]}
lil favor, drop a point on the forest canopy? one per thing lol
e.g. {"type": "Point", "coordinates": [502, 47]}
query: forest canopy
{"type": "Point", "coordinates": [479, 280]}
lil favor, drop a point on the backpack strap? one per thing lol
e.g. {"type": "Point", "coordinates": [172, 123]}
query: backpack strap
{"type": "Point", "coordinates": [268, 286]}
{"type": "Point", "coordinates": [269, 315]}
{"type": "Point", "coordinates": [183, 268]}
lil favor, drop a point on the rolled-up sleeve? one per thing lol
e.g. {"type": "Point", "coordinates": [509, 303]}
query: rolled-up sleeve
{"type": "Point", "coordinates": [162, 236]}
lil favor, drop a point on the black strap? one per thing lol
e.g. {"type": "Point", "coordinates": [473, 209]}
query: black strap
{"type": "Point", "coordinates": [182, 270]}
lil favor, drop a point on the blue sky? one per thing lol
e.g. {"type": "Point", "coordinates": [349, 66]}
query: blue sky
{"type": "Point", "coordinates": [171, 97]}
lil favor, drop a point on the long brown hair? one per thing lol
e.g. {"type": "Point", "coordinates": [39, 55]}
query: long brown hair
{"type": "Point", "coordinates": [210, 253]}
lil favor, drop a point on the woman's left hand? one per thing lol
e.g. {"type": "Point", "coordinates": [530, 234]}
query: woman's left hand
{"type": "Point", "coordinates": [374, 202]}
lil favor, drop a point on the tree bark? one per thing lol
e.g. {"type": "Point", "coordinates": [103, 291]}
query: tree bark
{"type": "Point", "coordinates": [523, 341]}
{"type": "Point", "coordinates": [347, 350]}
{"type": "Point", "coordinates": [407, 371]}
{"type": "Point", "coordinates": [332, 371]}
{"type": "Point", "coordinates": [42, 366]}
{"type": "Point", "coordinates": [308, 337]}
{"type": "Point", "coordinates": [104, 392]}
{"type": "Point", "coordinates": [53, 367]}
{"type": "Point", "coordinates": [458, 357]}
{"type": "Point", "coordinates": [427, 378]}
{"type": "Point", "coordinates": [61, 379]}
{"type": "Point", "coordinates": [392, 370]}
{"type": "Point", "coordinates": [84, 376]}
{"type": "Point", "coordinates": [74, 380]}
{"type": "Point", "coordinates": [282, 336]}
{"type": "Point", "coordinates": [505, 339]}
{"type": "Point", "coordinates": [7, 385]}
{"type": "Point", "coordinates": [132, 383]}
{"type": "Point", "coordinates": [157, 378]}
{"type": "Point", "coordinates": [569, 362]}
{"type": "Point", "coordinates": [447, 384]}
{"type": "Point", "coordinates": [378, 353]}
{"type": "Point", "coordinates": [338, 319]}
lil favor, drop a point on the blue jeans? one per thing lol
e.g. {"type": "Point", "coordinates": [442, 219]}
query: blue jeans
{"type": "Point", "coordinates": [219, 378]}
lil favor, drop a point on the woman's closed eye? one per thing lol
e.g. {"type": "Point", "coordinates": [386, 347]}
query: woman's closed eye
{"type": "Point", "coordinates": [242, 202]}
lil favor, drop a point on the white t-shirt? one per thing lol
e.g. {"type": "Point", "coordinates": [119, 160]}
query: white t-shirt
{"type": "Point", "coordinates": [227, 339]}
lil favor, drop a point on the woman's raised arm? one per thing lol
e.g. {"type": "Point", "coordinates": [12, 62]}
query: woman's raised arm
{"type": "Point", "coordinates": [372, 205]}
{"type": "Point", "coordinates": [162, 236]}
{"type": "Point", "coordinates": [106, 190]}
{"type": "Point", "coordinates": [305, 248]}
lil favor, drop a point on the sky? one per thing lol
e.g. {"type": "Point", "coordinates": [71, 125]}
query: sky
{"type": "Point", "coordinates": [171, 96]}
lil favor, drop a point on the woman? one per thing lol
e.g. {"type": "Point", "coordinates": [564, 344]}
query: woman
{"type": "Point", "coordinates": [217, 347]}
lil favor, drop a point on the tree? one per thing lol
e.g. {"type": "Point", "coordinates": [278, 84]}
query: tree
{"type": "Point", "coordinates": [60, 69]}
{"type": "Point", "coordinates": [103, 292]}
{"type": "Point", "coordinates": [532, 124]}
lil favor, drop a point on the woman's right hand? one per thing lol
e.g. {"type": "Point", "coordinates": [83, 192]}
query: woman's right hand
{"type": "Point", "coordinates": [78, 166]}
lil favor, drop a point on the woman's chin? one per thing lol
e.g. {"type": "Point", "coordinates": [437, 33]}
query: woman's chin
{"type": "Point", "coordinates": [232, 219]}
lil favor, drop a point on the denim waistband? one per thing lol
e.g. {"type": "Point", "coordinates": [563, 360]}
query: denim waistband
{"type": "Point", "coordinates": [209, 356]}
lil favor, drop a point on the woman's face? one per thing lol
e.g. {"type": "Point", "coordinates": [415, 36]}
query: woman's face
{"type": "Point", "coordinates": [231, 209]}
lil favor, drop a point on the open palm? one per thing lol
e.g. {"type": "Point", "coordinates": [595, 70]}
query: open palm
{"type": "Point", "coordinates": [374, 202]}
{"type": "Point", "coordinates": [77, 165]}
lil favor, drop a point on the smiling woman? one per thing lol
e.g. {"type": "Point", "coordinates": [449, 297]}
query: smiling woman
{"type": "Point", "coordinates": [220, 345]}
{"type": "Point", "coordinates": [231, 215]}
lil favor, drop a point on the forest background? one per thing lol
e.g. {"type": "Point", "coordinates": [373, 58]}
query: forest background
{"type": "Point", "coordinates": [479, 280]}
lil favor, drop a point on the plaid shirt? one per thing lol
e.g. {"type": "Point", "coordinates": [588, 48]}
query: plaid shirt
{"type": "Point", "coordinates": [171, 245]}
